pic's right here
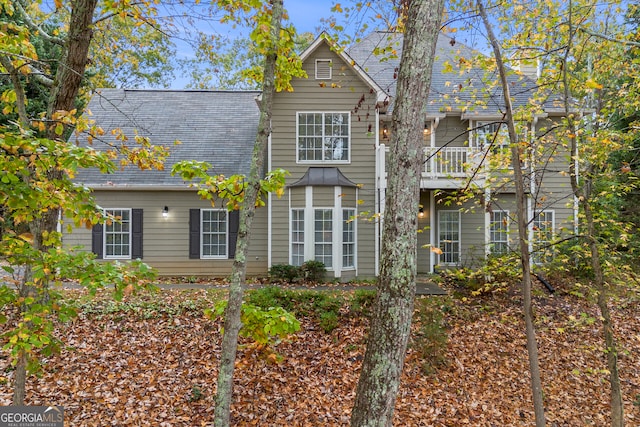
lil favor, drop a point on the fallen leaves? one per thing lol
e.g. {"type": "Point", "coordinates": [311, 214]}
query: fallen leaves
{"type": "Point", "coordinates": [137, 369]}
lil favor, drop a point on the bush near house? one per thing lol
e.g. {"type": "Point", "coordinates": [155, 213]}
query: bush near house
{"type": "Point", "coordinates": [310, 271]}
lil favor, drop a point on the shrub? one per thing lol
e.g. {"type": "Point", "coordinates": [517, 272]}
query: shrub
{"type": "Point", "coordinates": [313, 271]}
{"type": "Point", "coordinates": [363, 301]}
{"type": "Point", "coordinates": [328, 321]}
{"type": "Point", "coordinates": [266, 327]}
{"type": "Point", "coordinates": [284, 273]}
{"type": "Point", "coordinates": [430, 337]}
{"type": "Point", "coordinates": [323, 307]}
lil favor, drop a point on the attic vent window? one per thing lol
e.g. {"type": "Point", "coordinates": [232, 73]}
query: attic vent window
{"type": "Point", "coordinates": [323, 69]}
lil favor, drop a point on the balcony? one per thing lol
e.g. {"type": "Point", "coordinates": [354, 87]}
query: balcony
{"type": "Point", "coordinates": [447, 167]}
{"type": "Point", "coordinates": [450, 167]}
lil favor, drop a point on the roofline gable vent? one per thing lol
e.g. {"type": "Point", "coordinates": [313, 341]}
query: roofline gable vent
{"type": "Point", "coordinates": [323, 69]}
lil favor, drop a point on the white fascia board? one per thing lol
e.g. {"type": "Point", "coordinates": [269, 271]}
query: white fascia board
{"type": "Point", "coordinates": [381, 95]}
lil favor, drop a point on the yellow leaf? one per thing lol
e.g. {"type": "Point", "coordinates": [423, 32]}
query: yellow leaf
{"type": "Point", "coordinates": [27, 237]}
{"type": "Point", "coordinates": [436, 251]}
{"type": "Point", "coordinates": [592, 84]}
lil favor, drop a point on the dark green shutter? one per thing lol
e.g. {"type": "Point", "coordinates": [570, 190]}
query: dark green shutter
{"type": "Point", "coordinates": [136, 233]}
{"type": "Point", "coordinates": [97, 240]}
{"type": "Point", "coordinates": [194, 233]}
{"type": "Point", "coordinates": [234, 224]}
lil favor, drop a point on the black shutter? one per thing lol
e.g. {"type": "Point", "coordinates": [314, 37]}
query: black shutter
{"type": "Point", "coordinates": [194, 233]}
{"type": "Point", "coordinates": [136, 233]}
{"type": "Point", "coordinates": [96, 240]}
{"type": "Point", "coordinates": [234, 224]}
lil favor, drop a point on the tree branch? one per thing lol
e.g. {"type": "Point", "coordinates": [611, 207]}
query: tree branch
{"type": "Point", "coordinates": [609, 38]}
{"type": "Point", "coordinates": [21, 99]}
{"type": "Point", "coordinates": [35, 27]}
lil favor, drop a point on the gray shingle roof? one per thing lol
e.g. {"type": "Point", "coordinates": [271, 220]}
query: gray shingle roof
{"type": "Point", "coordinates": [218, 127]}
{"type": "Point", "coordinates": [452, 89]}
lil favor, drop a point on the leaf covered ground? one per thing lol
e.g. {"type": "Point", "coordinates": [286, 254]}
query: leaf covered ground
{"type": "Point", "coordinates": [152, 360]}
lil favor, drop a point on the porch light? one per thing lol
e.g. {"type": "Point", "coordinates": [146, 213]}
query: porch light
{"type": "Point", "coordinates": [421, 212]}
{"type": "Point", "coordinates": [426, 129]}
{"type": "Point", "coordinates": [385, 132]}
{"type": "Point", "coordinates": [165, 212]}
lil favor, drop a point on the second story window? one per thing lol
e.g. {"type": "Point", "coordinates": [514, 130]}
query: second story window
{"type": "Point", "coordinates": [491, 134]}
{"type": "Point", "coordinates": [323, 137]}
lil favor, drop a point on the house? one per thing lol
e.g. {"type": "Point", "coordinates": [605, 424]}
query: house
{"type": "Point", "coordinates": [331, 134]}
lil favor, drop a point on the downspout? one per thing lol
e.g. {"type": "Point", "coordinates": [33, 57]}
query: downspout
{"type": "Point", "coordinates": [487, 221]}
{"type": "Point", "coordinates": [432, 230]}
{"type": "Point", "coordinates": [532, 184]}
{"type": "Point", "coordinates": [376, 230]}
{"type": "Point", "coordinates": [432, 203]}
{"type": "Point", "coordinates": [432, 160]}
{"type": "Point", "coordinates": [269, 208]}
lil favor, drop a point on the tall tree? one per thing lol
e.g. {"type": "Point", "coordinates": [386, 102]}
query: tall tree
{"type": "Point", "coordinates": [277, 46]}
{"type": "Point", "coordinates": [567, 41]}
{"type": "Point", "coordinates": [523, 223]}
{"type": "Point", "coordinates": [43, 180]}
{"type": "Point", "coordinates": [269, 47]}
{"type": "Point", "coordinates": [393, 309]}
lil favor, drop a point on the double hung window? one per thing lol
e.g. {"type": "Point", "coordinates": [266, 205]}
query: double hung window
{"type": "Point", "coordinates": [323, 137]}
{"type": "Point", "coordinates": [328, 237]}
{"type": "Point", "coordinates": [323, 231]}
{"type": "Point", "coordinates": [348, 238]}
{"type": "Point", "coordinates": [117, 234]}
{"type": "Point", "coordinates": [449, 236]}
{"type": "Point", "coordinates": [499, 230]}
{"type": "Point", "coordinates": [297, 237]}
{"type": "Point", "coordinates": [214, 233]}
{"type": "Point", "coordinates": [543, 227]}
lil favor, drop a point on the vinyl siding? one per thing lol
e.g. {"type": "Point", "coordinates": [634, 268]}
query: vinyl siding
{"type": "Point", "coordinates": [166, 240]}
{"type": "Point", "coordinates": [349, 93]}
{"type": "Point", "coordinates": [452, 132]}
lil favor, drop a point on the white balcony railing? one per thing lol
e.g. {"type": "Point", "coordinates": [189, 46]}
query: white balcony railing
{"type": "Point", "coordinates": [450, 162]}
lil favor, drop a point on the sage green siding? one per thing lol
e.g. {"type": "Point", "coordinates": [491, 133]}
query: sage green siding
{"type": "Point", "coordinates": [166, 240]}
{"type": "Point", "coordinates": [345, 92]}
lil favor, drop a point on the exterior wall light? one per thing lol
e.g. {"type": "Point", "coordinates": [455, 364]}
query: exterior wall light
{"type": "Point", "coordinates": [421, 212]}
{"type": "Point", "coordinates": [165, 212]}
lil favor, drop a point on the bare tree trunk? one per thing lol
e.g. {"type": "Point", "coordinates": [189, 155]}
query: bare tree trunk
{"type": "Point", "coordinates": [583, 194]}
{"type": "Point", "coordinates": [232, 324]}
{"type": "Point", "coordinates": [391, 320]}
{"type": "Point", "coordinates": [522, 219]}
{"type": "Point", "coordinates": [20, 380]}
{"type": "Point", "coordinates": [62, 98]}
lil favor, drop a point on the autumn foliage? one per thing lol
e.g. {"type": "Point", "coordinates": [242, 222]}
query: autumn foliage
{"type": "Point", "coordinates": [152, 360]}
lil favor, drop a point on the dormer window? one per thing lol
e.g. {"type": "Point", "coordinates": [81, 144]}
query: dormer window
{"type": "Point", "coordinates": [323, 69]}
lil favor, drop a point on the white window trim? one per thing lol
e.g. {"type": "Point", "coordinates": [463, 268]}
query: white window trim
{"type": "Point", "coordinates": [537, 257]}
{"type": "Point", "coordinates": [320, 77]}
{"type": "Point", "coordinates": [337, 228]}
{"type": "Point", "coordinates": [504, 143]}
{"type": "Point", "coordinates": [304, 234]}
{"type": "Point", "coordinates": [104, 235]}
{"type": "Point", "coordinates": [226, 251]}
{"type": "Point", "coordinates": [334, 244]}
{"type": "Point", "coordinates": [459, 237]}
{"type": "Point", "coordinates": [350, 142]}
{"type": "Point", "coordinates": [354, 222]}
{"type": "Point", "coordinates": [493, 242]}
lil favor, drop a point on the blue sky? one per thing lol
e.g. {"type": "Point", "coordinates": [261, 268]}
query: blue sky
{"type": "Point", "coordinates": [305, 15]}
